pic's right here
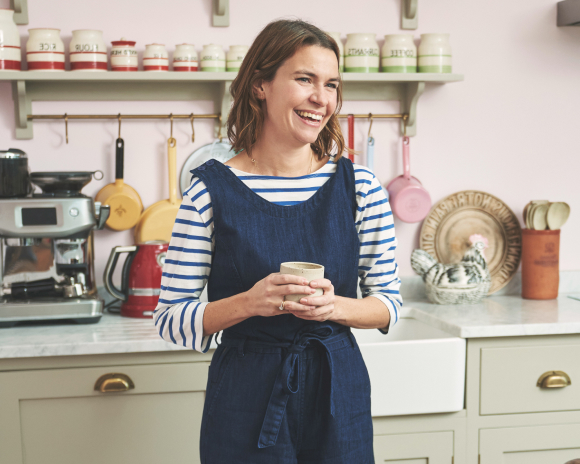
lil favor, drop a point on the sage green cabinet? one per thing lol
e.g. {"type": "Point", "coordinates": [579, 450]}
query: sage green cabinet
{"type": "Point", "coordinates": [55, 416]}
{"type": "Point", "coordinates": [550, 444]}
{"type": "Point", "coordinates": [415, 448]}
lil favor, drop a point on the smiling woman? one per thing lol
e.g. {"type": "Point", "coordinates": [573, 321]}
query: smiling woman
{"type": "Point", "coordinates": [287, 384]}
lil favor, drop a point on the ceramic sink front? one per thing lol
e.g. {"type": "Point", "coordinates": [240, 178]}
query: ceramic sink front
{"type": "Point", "coordinates": [414, 369]}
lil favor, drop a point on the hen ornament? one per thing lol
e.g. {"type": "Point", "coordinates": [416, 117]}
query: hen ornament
{"type": "Point", "coordinates": [465, 282]}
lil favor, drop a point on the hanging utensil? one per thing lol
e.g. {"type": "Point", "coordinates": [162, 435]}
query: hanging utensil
{"type": "Point", "coordinates": [351, 136]}
{"type": "Point", "coordinates": [156, 222]}
{"type": "Point", "coordinates": [409, 200]}
{"type": "Point", "coordinates": [124, 201]}
{"type": "Point", "coordinates": [371, 154]}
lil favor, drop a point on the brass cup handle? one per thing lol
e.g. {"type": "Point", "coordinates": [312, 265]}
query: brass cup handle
{"type": "Point", "coordinates": [109, 383]}
{"type": "Point", "coordinates": [554, 379]}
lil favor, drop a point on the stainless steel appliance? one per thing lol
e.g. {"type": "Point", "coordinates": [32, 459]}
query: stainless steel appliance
{"type": "Point", "coordinates": [47, 256]}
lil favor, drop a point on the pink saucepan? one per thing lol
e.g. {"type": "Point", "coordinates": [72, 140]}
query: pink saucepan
{"type": "Point", "coordinates": [409, 200]}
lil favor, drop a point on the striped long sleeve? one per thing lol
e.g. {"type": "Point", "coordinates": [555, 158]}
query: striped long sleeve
{"type": "Point", "coordinates": [178, 316]}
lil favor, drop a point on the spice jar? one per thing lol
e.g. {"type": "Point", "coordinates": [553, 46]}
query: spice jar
{"type": "Point", "coordinates": [124, 55]}
{"type": "Point", "coordinates": [45, 50]}
{"type": "Point", "coordinates": [88, 51]}
{"type": "Point", "coordinates": [361, 53]}
{"type": "Point", "coordinates": [399, 54]}
{"type": "Point", "coordinates": [213, 58]}
{"type": "Point", "coordinates": [185, 58]}
{"type": "Point", "coordinates": [235, 56]}
{"type": "Point", "coordinates": [10, 56]}
{"type": "Point", "coordinates": [155, 58]}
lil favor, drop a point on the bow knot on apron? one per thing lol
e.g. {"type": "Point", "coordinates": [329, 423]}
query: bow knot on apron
{"type": "Point", "coordinates": [287, 381]}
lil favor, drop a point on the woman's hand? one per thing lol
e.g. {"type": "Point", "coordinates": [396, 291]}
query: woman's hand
{"type": "Point", "coordinates": [323, 305]}
{"type": "Point", "coordinates": [266, 296]}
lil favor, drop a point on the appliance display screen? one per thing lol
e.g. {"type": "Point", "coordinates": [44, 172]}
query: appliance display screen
{"type": "Point", "coordinates": [39, 216]}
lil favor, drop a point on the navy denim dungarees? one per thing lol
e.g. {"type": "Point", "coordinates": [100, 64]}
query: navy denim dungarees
{"type": "Point", "coordinates": [282, 389]}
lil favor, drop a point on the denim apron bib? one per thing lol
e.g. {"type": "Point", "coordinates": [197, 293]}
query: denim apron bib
{"type": "Point", "coordinates": [252, 237]}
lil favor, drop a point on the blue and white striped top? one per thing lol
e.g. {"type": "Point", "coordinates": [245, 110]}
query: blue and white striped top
{"type": "Point", "coordinates": [178, 316]}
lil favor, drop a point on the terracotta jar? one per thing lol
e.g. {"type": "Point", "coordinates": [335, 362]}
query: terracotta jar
{"type": "Point", "coordinates": [540, 264]}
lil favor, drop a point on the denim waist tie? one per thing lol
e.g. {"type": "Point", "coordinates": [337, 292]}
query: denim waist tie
{"type": "Point", "coordinates": [287, 380]}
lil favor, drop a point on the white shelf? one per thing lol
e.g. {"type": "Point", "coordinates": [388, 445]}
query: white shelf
{"type": "Point", "coordinates": [29, 86]}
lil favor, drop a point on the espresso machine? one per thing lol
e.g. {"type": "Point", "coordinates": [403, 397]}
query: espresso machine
{"type": "Point", "coordinates": [47, 252]}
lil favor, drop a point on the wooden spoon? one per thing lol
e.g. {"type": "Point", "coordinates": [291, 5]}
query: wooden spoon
{"type": "Point", "coordinates": [557, 215]}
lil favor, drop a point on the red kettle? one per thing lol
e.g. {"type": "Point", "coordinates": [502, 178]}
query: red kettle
{"type": "Point", "coordinates": [141, 277]}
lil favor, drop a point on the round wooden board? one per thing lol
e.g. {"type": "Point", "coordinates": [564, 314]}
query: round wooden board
{"type": "Point", "coordinates": [446, 231]}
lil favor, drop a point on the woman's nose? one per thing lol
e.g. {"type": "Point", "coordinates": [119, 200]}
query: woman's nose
{"type": "Point", "coordinates": [319, 96]}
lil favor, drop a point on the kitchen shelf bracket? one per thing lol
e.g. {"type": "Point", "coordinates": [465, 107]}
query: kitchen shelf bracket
{"type": "Point", "coordinates": [413, 90]}
{"type": "Point", "coordinates": [221, 13]}
{"type": "Point", "coordinates": [409, 14]}
{"type": "Point", "coordinates": [20, 8]}
{"type": "Point", "coordinates": [22, 108]}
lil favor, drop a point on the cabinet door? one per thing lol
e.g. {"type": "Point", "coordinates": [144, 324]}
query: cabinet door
{"type": "Point", "coordinates": [414, 448]}
{"type": "Point", "coordinates": [530, 445]}
{"type": "Point", "coordinates": [55, 416]}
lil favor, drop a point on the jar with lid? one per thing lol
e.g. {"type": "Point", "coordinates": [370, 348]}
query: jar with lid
{"type": "Point", "coordinates": [185, 58]}
{"type": "Point", "coordinates": [155, 58]}
{"type": "Point", "coordinates": [399, 54]}
{"type": "Point", "coordinates": [14, 174]}
{"type": "Point", "coordinates": [434, 53]}
{"type": "Point", "coordinates": [213, 58]}
{"type": "Point", "coordinates": [361, 53]}
{"type": "Point", "coordinates": [10, 56]}
{"type": "Point", "coordinates": [124, 55]}
{"type": "Point", "coordinates": [235, 56]}
{"type": "Point", "coordinates": [336, 37]}
{"type": "Point", "coordinates": [45, 50]}
{"type": "Point", "coordinates": [88, 51]}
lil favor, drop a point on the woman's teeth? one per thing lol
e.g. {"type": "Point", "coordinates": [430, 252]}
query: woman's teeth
{"type": "Point", "coordinates": [314, 117]}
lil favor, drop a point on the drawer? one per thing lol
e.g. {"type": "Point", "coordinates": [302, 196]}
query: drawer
{"type": "Point", "coordinates": [509, 377]}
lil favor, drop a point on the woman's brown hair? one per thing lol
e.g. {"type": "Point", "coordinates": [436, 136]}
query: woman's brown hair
{"type": "Point", "coordinates": [277, 42]}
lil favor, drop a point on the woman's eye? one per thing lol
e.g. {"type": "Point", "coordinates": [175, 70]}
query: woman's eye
{"type": "Point", "coordinates": [333, 86]}
{"type": "Point", "coordinates": [304, 79]}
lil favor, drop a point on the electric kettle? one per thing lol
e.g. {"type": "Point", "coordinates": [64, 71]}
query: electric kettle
{"type": "Point", "coordinates": [141, 277]}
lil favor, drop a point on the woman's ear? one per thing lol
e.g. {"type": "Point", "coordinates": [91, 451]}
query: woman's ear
{"type": "Point", "coordinates": [259, 91]}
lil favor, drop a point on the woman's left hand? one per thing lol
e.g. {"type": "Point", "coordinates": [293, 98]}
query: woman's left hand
{"type": "Point", "coordinates": [322, 307]}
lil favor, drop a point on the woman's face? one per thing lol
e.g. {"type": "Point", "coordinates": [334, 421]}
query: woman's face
{"type": "Point", "coordinates": [300, 99]}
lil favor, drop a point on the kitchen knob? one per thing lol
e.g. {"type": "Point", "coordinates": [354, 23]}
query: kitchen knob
{"type": "Point", "coordinates": [74, 212]}
{"type": "Point", "coordinates": [110, 383]}
{"type": "Point", "coordinates": [554, 379]}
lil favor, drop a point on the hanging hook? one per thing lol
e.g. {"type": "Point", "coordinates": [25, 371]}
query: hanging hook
{"type": "Point", "coordinates": [370, 125]}
{"type": "Point", "coordinates": [66, 126]}
{"type": "Point", "coordinates": [220, 127]}
{"type": "Point", "coordinates": [119, 125]}
{"type": "Point", "coordinates": [405, 116]}
{"type": "Point", "coordinates": [192, 129]}
{"type": "Point", "coordinates": [171, 118]}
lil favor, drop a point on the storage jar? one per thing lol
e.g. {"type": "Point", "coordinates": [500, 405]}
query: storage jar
{"type": "Point", "coordinates": [235, 56]}
{"type": "Point", "coordinates": [155, 58]}
{"type": "Point", "coordinates": [10, 57]}
{"type": "Point", "coordinates": [45, 50]}
{"type": "Point", "coordinates": [88, 51]}
{"type": "Point", "coordinates": [399, 54]}
{"type": "Point", "coordinates": [361, 53]}
{"type": "Point", "coordinates": [540, 264]}
{"type": "Point", "coordinates": [336, 37]}
{"type": "Point", "coordinates": [213, 58]}
{"type": "Point", "coordinates": [185, 58]}
{"type": "Point", "coordinates": [434, 53]}
{"type": "Point", "coordinates": [124, 55]}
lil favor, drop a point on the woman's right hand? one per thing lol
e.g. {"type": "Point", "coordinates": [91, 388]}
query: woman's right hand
{"type": "Point", "coordinates": [267, 295]}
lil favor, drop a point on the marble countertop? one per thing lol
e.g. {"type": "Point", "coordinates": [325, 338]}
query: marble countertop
{"type": "Point", "coordinates": [502, 316]}
{"type": "Point", "coordinates": [498, 316]}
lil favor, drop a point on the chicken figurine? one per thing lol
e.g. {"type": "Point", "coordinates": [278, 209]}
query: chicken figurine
{"type": "Point", "coordinates": [465, 282]}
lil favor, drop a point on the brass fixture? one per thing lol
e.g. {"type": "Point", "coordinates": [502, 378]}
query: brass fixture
{"type": "Point", "coordinates": [109, 383]}
{"type": "Point", "coordinates": [554, 379]}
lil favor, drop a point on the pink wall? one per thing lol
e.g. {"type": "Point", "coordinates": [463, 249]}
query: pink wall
{"type": "Point", "coordinates": [510, 129]}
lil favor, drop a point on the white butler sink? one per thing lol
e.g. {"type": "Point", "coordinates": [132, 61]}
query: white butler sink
{"type": "Point", "coordinates": [414, 369]}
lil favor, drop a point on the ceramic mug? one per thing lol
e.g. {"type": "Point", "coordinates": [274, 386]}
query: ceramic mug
{"type": "Point", "coordinates": [45, 50]}
{"type": "Point", "coordinates": [336, 37]}
{"type": "Point", "coordinates": [235, 56]}
{"type": "Point", "coordinates": [124, 55]}
{"type": "Point", "coordinates": [185, 58]}
{"type": "Point", "coordinates": [399, 54]}
{"type": "Point", "coordinates": [88, 51]}
{"type": "Point", "coordinates": [310, 271]}
{"type": "Point", "coordinates": [155, 58]}
{"type": "Point", "coordinates": [361, 53]}
{"type": "Point", "coordinates": [409, 200]}
{"type": "Point", "coordinates": [9, 42]}
{"type": "Point", "coordinates": [213, 58]}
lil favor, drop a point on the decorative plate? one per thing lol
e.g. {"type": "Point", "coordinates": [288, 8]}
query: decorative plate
{"type": "Point", "coordinates": [446, 230]}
